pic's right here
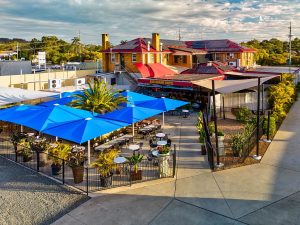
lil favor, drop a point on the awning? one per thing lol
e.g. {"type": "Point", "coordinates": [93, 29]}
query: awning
{"type": "Point", "coordinates": [12, 95]}
{"type": "Point", "coordinates": [230, 86]}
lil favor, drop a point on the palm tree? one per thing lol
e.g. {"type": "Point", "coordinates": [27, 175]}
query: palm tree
{"type": "Point", "coordinates": [99, 98]}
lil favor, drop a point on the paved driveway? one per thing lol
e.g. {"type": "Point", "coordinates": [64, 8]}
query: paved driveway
{"type": "Point", "coordinates": [265, 193]}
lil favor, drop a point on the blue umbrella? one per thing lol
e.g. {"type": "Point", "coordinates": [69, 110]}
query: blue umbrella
{"type": "Point", "coordinates": [134, 98]}
{"type": "Point", "coordinates": [68, 94]}
{"type": "Point", "coordinates": [164, 104]}
{"type": "Point", "coordinates": [84, 130]}
{"type": "Point", "coordinates": [60, 101]}
{"type": "Point", "coordinates": [17, 113]}
{"type": "Point", "coordinates": [131, 114]}
{"type": "Point", "coordinates": [54, 115]}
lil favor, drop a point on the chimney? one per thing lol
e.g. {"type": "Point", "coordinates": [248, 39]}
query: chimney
{"type": "Point", "coordinates": [156, 45]}
{"type": "Point", "coordinates": [105, 41]}
{"type": "Point", "coordinates": [105, 56]}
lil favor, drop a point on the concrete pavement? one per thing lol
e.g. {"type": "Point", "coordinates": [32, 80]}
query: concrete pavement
{"type": "Point", "coordinates": [265, 193]}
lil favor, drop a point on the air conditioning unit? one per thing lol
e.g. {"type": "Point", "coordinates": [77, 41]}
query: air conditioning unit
{"type": "Point", "coordinates": [54, 83]}
{"type": "Point", "coordinates": [79, 81]}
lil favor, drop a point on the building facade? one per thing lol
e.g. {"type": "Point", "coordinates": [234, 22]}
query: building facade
{"type": "Point", "coordinates": [186, 54]}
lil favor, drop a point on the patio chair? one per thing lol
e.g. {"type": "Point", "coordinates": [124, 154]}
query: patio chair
{"type": "Point", "coordinates": [169, 142]}
{"type": "Point", "coordinates": [152, 145]}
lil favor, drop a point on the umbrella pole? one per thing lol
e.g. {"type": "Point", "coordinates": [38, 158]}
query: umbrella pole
{"type": "Point", "coordinates": [133, 130]}
{"type": "Point", "coordinates": [22, 129]}
{"type": "Point", "coordinates": [89, 152]}
{"type": "Point", "coordinates": [163, 118]}
{"type": "Point", "coordinates": [56, 138]}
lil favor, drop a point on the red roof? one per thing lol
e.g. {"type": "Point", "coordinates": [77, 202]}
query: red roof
{"type": "Point", "coordinates": [138, 45]}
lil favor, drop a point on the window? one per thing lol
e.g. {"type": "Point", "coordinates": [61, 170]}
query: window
{"type": "Point", "coordinates": [113, 58]}
{"type": "Point", "coordinates": [176, 59]}
{"type": "Point", "coordinates": [184, 59]}
{"type": "Point", "coordinates": [133, 57]}
{"type": "Point", "coordinates": [113, 81]}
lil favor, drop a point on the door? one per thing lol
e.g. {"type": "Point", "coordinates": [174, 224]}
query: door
{"type": "Point", "coordinates": [122, 61]}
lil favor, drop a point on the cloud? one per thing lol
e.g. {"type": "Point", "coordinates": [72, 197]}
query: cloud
{"type": "Point", "coordinates": [128, 19]}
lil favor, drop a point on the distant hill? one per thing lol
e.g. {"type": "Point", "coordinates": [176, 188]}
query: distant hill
{"type": "Point", "coordinates": [7, 40]}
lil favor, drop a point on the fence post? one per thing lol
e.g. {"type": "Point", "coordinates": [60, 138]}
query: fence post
{"type": "Point", "coordinates": [174, 161]}
{"type": "Point", "coordinates": [63, 171]}
{"type": "Point", "coordinates": [37, 161]}
{"type": "Point", "coordinates": [87, 180]}
{"type": "Point", "coordinates": [130, 182]}
{"type": "Point", "coordinates": [268, 127]}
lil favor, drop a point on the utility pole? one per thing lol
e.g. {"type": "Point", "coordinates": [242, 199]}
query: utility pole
{"type": "Point", "coordinates": [17, 50]}
{"type": "Point", "coordinates": [179, 34]}
{"type": "Point", "coordinates": [290, 45]}
{"type": "Point", "coordinates": [79, 47]}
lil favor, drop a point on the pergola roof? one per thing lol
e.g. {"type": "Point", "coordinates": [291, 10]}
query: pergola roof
{"type": "Point", "coordinates": [230, 86]}
{"type": "Point", "coordinates": [12, 95]}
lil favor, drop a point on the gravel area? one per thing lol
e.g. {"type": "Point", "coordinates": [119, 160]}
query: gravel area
{"type": "Point", "coordinates": [27, 197]}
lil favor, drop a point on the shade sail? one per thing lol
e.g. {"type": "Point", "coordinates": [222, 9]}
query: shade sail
{"type": "Point", "coordinates": [134, 98]}
{"type": "Point", "coordinates": [230, 86]}
{"type": "Point", "coordinates": [16, 114]}
{"type": "Point", "coordinates": [83, 130]}
{"type": "Point", "coordinates": [12, 95]}
{"type": "Point", "coordinates": [47, 117]}
{"type": "Point", "coordinates": [131, 114]}
{"type": "Point", "coordinates": [164, 104]}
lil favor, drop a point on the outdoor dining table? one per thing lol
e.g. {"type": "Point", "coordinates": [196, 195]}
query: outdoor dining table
{"type": "Point", "coordinates": [78, 148]}
{"type": "Point", "coordinates": [30, 134]}
{"type": "Point", "coordinates": [155, 153]}
{"type": "Point", "coordinates": [134, 148]}
{"type": "Point", "coordinates": [185, 113]}
{"type": "Point", "coordinates": [113, 142]}
{"type": "Point", "coordinates": [161, 143]}
{"type": "Point", "coordinates": [120, 159]}
{"type": "Point", "coordinates": [160, 135]}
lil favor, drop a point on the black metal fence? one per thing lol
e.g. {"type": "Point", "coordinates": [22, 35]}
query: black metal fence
{"type": "Point", "coordinates": [122, 175]}
{"type": "Point", "coordinates": [229, 156]}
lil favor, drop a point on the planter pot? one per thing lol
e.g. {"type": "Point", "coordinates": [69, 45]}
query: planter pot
{"type": "Point", "coordinates": [43, 159]}
{"type": "Point", "coordinates": [78, 174]}
{"type": "Point", "coordinates": [164, 168]}
{"type": "Point", "coordinates": [106, 181]}
{"type": "Point", "coordinates": [221, 145]}
{"type": "Point", "coordinates": [27, 158]}
{"type": "Point", "coordinates": [55, 169]}
{"type": "Point", "coordinates": [135, 175]}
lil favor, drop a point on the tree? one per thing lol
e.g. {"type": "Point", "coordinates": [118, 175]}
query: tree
{"type": "Point", "coordinates": [99, 98]}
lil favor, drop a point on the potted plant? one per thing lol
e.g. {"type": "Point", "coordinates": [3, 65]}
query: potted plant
{"type": "Point", "coordinates": [57, 155]}
{"type": "Point", "coordinates": [75, 160]}
{"type": "Point", "coordinates": [105, 165]}
{"type": "Point", "coordinates": [42, 148]}
{"type": "Point", "coordinates": [237, 142]}
{"type": "Point", "coordinates": [26, 150]}
{"type": "Point", "coordinates": [134, 161]}
{"type": "Point", "coordinates": [220, 135]}
{"type": "Point", "coordinates": [163, 159]}
{"type": "Point", "coordinates": [15, 139]}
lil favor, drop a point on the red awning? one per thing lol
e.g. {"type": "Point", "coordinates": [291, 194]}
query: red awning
{"type": "Point", "coordinates": [144, 70]}
{"type": "Point", "coordinates": [160, 70]}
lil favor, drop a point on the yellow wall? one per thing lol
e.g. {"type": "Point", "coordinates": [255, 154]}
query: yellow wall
{"type": "Point", "coordinates": [180, 62]}
{"type": "Point", "coordinates": [247, 58]}
{"type": "Point", "coordinates": [39, 81]}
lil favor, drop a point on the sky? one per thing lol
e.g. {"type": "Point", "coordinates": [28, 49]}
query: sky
{"type": "Point", "coordinates": [238, 20]}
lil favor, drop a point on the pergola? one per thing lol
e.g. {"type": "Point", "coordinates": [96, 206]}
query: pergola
{"type": "Point", "coordinates": [230, 86]}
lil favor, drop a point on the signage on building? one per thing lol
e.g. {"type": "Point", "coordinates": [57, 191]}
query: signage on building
{"type": "Point", "coordinates": [42, 59]}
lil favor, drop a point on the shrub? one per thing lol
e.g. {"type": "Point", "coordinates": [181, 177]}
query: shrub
{"type": "Point", "coordinates": [243, 115]}
{"type": "Point", "coordinates": [237, 142]}
{"type": "Point", "coordinates": [272, 128]}
{"type": "Point", "coordinates": [282, 96]}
